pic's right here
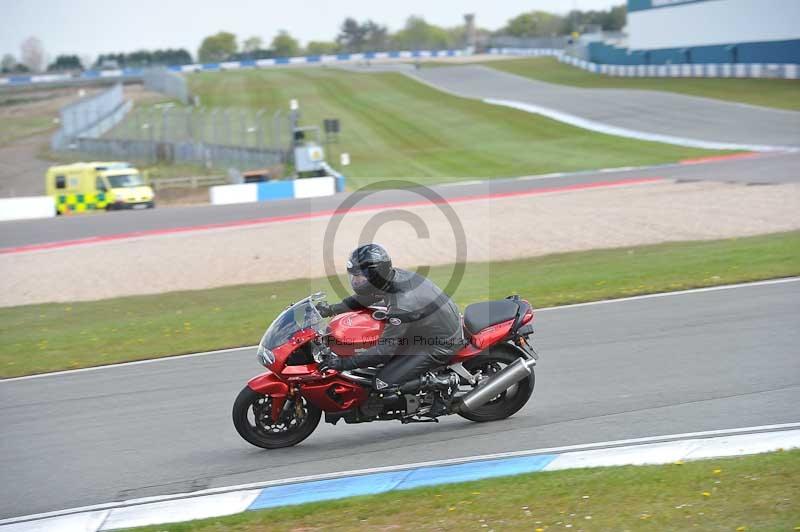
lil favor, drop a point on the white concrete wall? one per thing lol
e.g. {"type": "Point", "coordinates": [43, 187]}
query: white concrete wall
{"type": "Point", "coordinates": [27, 207]}
{"type": "Point", "coordinates": [250, 192]}
{"type": "Point", "coordinates": [314, 187]}
{"type": "Point", "coordinates": [227, 194]}
{"type": "Point", "coordinates": [714, 22]}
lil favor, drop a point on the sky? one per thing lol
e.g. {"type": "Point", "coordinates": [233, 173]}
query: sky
{"type": "Point", "coordinates": [91, 27]}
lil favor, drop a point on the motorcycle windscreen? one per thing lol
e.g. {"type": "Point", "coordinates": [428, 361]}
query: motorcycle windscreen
{"type": "Point", "coordinates": [300, 316]}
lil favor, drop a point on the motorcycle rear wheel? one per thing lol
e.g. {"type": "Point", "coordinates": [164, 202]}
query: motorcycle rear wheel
{"type": "Point", "coordinates": [510, 401]}
{"type": "Point", "coordinates": [261, 431]}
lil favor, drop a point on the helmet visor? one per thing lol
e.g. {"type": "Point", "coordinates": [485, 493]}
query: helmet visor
{"type": "Point", "coordinates": [358, 281]}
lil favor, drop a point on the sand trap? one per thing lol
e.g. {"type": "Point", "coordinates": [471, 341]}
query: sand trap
{"type": "Point", "coordinates": [497, 230]}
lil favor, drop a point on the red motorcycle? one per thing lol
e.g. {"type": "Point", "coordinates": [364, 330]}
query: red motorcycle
{"type": "Point", "coordinates": [491, 376]}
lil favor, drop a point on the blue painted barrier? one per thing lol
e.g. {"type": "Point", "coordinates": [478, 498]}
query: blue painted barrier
{"type": "Point", "coordinates": [274, 190]}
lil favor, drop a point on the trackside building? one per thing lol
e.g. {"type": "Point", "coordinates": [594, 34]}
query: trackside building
{"type": "Point", "coordinates": [706, 31]}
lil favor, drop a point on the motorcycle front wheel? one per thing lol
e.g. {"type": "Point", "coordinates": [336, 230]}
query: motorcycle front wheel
{"type": "Point", "coordinates": [253, 420]}
{"type": "Point", "coordinates": [510, 401]}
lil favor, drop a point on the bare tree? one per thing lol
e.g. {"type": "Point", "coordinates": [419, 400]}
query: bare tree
{"type": "Point", "coordinates": [32, 53]}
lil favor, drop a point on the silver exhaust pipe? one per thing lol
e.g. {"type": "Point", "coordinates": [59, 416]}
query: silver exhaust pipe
{"type": "Point", "coordinates": [495, 385]}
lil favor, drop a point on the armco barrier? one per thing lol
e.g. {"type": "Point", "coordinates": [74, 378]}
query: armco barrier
{"type": "Point", "coordinates": [27, 207]}
{"type": "Point", "coordinates": [685, 70]}
{"type": "Point", "coordinates": [312, 187]}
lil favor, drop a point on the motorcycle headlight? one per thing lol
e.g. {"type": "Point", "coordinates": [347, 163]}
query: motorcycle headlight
{"type": "Point", "coordinates": [265, 357]}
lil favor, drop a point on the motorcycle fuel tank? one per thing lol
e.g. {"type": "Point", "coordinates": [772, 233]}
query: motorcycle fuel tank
{"type": "Point", "coordinates": [354, 331]}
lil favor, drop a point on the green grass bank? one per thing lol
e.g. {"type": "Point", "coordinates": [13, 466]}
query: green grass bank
{"type": "Point", "coordinates": [776, 93]}
{"type": "Point", "coordinates": [393, 126]}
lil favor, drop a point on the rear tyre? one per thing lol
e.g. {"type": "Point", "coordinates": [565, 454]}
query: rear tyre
{"type": "Point", "coordinates": [510, 401]}
{"type": "Point", "coordinates": [253, 421]}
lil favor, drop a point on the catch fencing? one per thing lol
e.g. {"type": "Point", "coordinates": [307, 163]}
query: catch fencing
{"type": "Point", "coordinates": [167, 82]}
{"type": "Point", "coordinates": [103, 125]}
{"type": "Point", "coordinates": [201, 153]}
{"type": "Point", "coordinates": [90, 117]}
{"type": "Point", "coordinates": [220, 138]}
{"type": "Point", "coordinates": [222, 126]}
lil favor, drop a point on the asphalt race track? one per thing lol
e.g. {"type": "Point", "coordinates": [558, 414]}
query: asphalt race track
{"type": "Point", "coordinates": [758, 169]}
{"type": "Point", "coordinates": [703, 360]}
{"type": "Point", "coordinates": [641, 110]}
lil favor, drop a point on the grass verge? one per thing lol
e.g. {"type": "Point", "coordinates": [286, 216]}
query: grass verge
{"type": "Point", "coordinates": [757, 492]}
{"type": "Point", "coordinates": [777, 93]}
{"type": "Point", "coordinates": [50, 337]}
{"type": "Point", "coordinates": [393, 126]}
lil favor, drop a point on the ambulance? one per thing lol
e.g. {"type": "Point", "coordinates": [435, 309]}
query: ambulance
{"type": "Point", "coordinates": [96, 186]}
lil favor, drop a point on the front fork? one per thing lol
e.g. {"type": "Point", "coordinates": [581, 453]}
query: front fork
{"type": "Point", "coordinates": [283, 405]}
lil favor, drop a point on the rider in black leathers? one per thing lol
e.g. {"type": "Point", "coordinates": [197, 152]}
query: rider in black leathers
{"type": "Point", "coordinates": [423, 328]}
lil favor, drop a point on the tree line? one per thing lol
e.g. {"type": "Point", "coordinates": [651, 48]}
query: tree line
{"type": "Point", "coordinates": [144, 58]}
{"type": "Point", "coordinates": [353, 37]}
{"type": "Point", "coordinates": [416, 34]}
{"type": "Point", "coordinates": [32, 59]}
{"type": "Point", "coordinates": [544, 24]}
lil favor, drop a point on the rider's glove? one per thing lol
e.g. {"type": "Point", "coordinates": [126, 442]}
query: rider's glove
{"type": "Point", "coordinates": [325, 310]}
{"type": "Point", "coordinates": [331, 363]}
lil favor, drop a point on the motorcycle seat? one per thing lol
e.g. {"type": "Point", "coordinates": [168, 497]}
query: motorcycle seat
{"type": "Point", "coordinates": [479, 316]}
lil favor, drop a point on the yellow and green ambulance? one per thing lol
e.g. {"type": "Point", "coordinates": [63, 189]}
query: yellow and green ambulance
{"type": "Point", "coordinates": [95, 186]}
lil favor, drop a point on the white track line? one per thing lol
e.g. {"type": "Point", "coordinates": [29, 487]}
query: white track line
{"type": "Point", "coordinates": [600, 127]}
{"type": "Point", "coordinates": [544, 309]}
{"type": "Point", "coordinates": [124, 364]}
{"type": "Point", "coordinates": [401, 467]}
{"type": "Point", "coordinates": [675, 293]}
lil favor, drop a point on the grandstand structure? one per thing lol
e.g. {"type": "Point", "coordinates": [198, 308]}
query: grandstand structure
{"type": "Point", "coordinates": [663, 32]}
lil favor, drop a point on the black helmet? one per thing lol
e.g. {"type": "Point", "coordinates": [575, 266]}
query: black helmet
{"type": "Point", "coordinates": [370, 269]}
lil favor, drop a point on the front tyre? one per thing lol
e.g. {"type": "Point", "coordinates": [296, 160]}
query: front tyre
{"type": "Point", "coordinates": [510, 401]}
{"type": "Point", "coordinates": [253, 421]}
